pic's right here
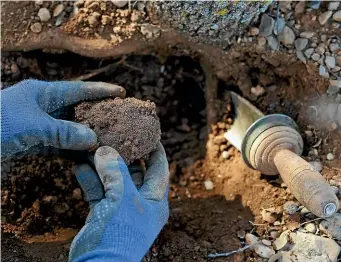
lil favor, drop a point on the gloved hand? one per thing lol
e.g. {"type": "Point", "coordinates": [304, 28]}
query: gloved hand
{"type": "Point", "coordinates": [123, 221]}
{"type": "Point", "coordinates": [26, 122]}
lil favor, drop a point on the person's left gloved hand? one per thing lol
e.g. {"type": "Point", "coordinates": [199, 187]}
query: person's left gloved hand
{"type": "Point", "coordinates": [123, 221]}
{"type": "Point", "coordinates": [25, 119]}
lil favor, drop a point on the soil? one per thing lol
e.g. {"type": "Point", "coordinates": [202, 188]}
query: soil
{"type": "Point", "coordinates": [129, 125]}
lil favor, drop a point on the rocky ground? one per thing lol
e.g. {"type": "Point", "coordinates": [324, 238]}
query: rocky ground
{"type": "Point", "coordinates": [288, 61]}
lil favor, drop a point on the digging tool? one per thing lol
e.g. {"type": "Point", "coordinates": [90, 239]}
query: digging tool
{"type": "Point", "coordinates": [273, 145]}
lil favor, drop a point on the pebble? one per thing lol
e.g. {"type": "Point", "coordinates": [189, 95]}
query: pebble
{"type": "Point", "coordinates": [44, 14]}
{"type": "Point", "coordinates": [332, 6]}
{"type": "Point", "coordinates": [279, 25]}
{"type": "Point", "coordinates": [310, 227]}
{"type": "Point", "coordinates": [266, 25]}
{"type": "Point", "coordinates": [300, 56]}
{"type": "Point", "coordinates": [208, 185]}
{"type": "Point", "coordinates": [332, 226]}
{"type": "Point", "coordinates": [290, 207]}
{"type": "Point", "coordinates": [330, 157]}
{"type": "Point", "coordinates": [140, 6]}
{"type": "Point", "coordinates": [36, 28]}
{"type": "Point", "coordinates": [119, 3]}
{"type": "Point", "coordinates": [299, 8]}
{"type": "Point", "coordinates": [266, 242]}
{"type": "Point", "coordinates": [304, 211]}
{"type": "Point", "coordinates": [15, 69]}
{"type": "Point", "coordinates": [315, 57]}
{"type": "Point", "coordinates": [307, 34]}
{"type": "Point", "coordinates": [338, 60]}
{"type": "Point", "coordinates": [334, 47]}
{"type": "Point", "coordinates": [251, 239]}
{"type": "Point", "coordinates": [261, 41]}
{"type": "Point", "coordinates": [241, 234]}
{"type": "Point", "coordinates": [320, 50]}
{"type": "Point", "coordinates": [330, 61]}
{"type": "Point", "coordinates": [301, 43]}
{"type": "Point", "coordinates": [77, 194]}
{"type": "Point", "coordinates": [257, 91]}
{"type": "Point", "coordinates": [274, 234]}
{"type": "Point", "coordinates": [59, 19]}
{"type": "Point", "coordinates": [263, 250]}
{"type": "Point", "coordinates": [337, 16]}
{"type": "Point", "coordinates": [273, 42]}
{"type": "Point", "coordinates": [323, 71]}
{"type": "Point", "coordinates": [277, 223]}
{"type": "Point", "coordinates": [268, 216]}
{"type": "Point", "coordinates": [39, 2]}
{"type": "Point", "coordinates": [282, 241]}
{"type": "Point", "coordinates": [58, 10]}
{"type": "Point", "coordinates": [253, 31]}
{"type": "Point", "coordinates": [323, 18]}
{"type": "Point", "coordinates": [287, 37]}
{"type": "Point", "coordinates": [317, 165]}
{"type": "Point", "coordinates": [22, 62]}
{"type": "Point", "coordinates": [225, 154]}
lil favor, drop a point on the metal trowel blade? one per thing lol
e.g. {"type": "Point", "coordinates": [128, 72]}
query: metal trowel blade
{"type": "Point", "coordinates": [245, 114]}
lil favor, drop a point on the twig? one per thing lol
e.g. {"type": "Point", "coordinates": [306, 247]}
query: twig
{"type": "Point", "coordinates": [227, 254]}
{"type": "Point", "coordinates": [256, 224]}
{"type": "Point", "coordinates": [319, 218]}
{"type": "Point", "coordinates": [132, 67]}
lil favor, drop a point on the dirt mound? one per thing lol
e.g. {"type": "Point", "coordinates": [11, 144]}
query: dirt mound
{"type": "Point", "coordinates": [129, 125]}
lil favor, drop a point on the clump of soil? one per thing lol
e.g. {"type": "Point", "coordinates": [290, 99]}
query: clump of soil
{"type": "Point", "coordinates": [131, 126]}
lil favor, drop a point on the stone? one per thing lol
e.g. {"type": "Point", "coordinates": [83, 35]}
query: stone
{"type": "Point", "coordinates": [268, 216]}
{"type": "Point", "coordinates": [299, 8]}
{"type": "Point", "coordinates": [334, 47]}
{"type": "Point", "coordinates": [324, 17]}
{"type": "Point", "coordinates": [253, 31]}
{"type": "Point", "coordinates": [323, 71]}
{"type": "Point", "coordinates": [36, 28]}
{"type": "Point", "coordinates": [140, 6]}
{"type": "Point", "coordinates": [272, 42]}
{"type": "Point", "coordinates": [285, 5]}
{"type": "Point", "coordinates": [92, 20]}
{"type": "Point", "coordinates": [337, 16]}
{"type": "Point", "coordinates": [332, 226]}
{"type": "Point", "coordinates": [290, 207]}
{"type": "Point", "coordinates": [279, 26]}
{"type": "Point", "coordinates": [225, 154]}
{"type": "Point", "coordinates": [338, 60]}
{"type": "Point", "coordinates": [44, 14]}
{"type": "Point", "coordinates": [241, 234]}
{"type": "Point", "coordinates": [304, 211]}
{"type": "Point", "coordinates": [119, 3]}
{"type": "Point", "coordinates": [281, 241]}
{"type": "Point", "coordinates": [330, 157]}
{"type": "Point", "coordinates": [266, 25]}
{"type": "Point", "coordinates": [251, 239]}
{"type": "Point", "coordinates": [149, 30]}
{"type": "Point", "coordinates": [330, 61]}
{"type": "Point", "coordinates": [317, 165]}
{"type": "Point", "coordinates": [315, 57]}
{"type": "Point", "coordinates": [58, 10]}
{"type": "Point", "coordinates": [335, 83]}
{"type": "Point", "coordinates": [263, 250]}
{"type": "Point", "coordinates": [208, 185]}
{"type": "Point", "coordinates": [314, 4]}
{"type": "Point", "coordinates": [301, 43]}
{"type": "Point", "coordinates": [307, 34]}
{"type": "Point", "coordinates": [258, 90]}
{"type": "Point", "coordinates": [332, 6]}
{"type": "Point", "coordinates": [60, 18]}
{"type": "Point", "coordinates": [320, 50]}
{"type": "Point", "coordinates": [266, 242]}
{"type": "Point", "coordinates": [287, 36]}
{"type": "Point", "coordinates": [77, 194]}
{"type": "Point", "coordinates": [300, 56]}
{"type": "Point", "coordinates": [39, 2]}
{"type": "Point", "coordinates": [22, 62]}
{"type": "Point", "coordinates": [310, 228]}
{"type": "Point", "coordinates": [309, 52]}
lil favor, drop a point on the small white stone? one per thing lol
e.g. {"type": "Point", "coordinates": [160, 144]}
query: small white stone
{"type": "Point", "coordinates": [337, 16]}
{"type": "Point", "coordinates": [119, 3]}
{"type": "Point", "coordinates": [225, 154]}
{"type": "Point", "coordinates": [323, 71]}
{"type": "Point", "coordinates": [257, 91]}
{"type": "Point", "coordinates": [58, 10]}
{"type": "Point", "coordinates": [251, 239]}
{"type": "Point", "coordinates": [310, 227]}
{"type": "Point", "coordinates": [330, 61]}
{"type": "Point", "coordinates": [264, 251]}
{"type": "Point", "coordinates": [36, 28]}
{"type": "Point", "coordinates": [323, 18]}
{"type": "Point", "coordinates": [208, 185]}
{"type": "Point", "coordinates": [266, 242]}
{"type": "Point", "coordinates": [330, 156]}
{"type": "Point", "coordinates": [332, 6]}
{"type": "Point", "coordinates": [44, 14]}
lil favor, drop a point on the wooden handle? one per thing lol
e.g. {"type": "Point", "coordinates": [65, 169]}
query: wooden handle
{"type": "Point", "coordinates": [306, 184]}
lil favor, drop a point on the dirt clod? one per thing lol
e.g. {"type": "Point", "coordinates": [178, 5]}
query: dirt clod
{"type": "Point", "coordinates": [131, 126]}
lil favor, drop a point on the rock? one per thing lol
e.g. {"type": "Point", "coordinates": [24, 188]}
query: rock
{"type": "Point", "coordinates": [301, 43]}
{"type": "Point", "coordinates": [335, 189]}
{"type": "Point", "coordinates": [285, 5]}
{"type": "Point", "coordinates": [36, 28]}
{"type": "Point", "coordinates": [22, 62]}
{"type": "Point", "coordinates": [299, 8]}
{"type": "Point", "coordinates": [317, 165]}
{"type": "Point", "coordinates": [330, 61]}
{"type": "Point", "coordinates": [279, 25]}
{"type": "Point", "coordinates": [337, 16]}
{"type": "Point", "coordinates": [300, 56]}
{"type": "Point", "coordinates": [314, 4]}
{"type": "Point", "coordinates": [39, 2]}
{"type": "Point", "coordinates": [15, 69]}
{"type": "Point", "coordinates": [320, 50]}
{"type": "Point", "coordinates": [225, 154]}
{"type": "Point", "coordinates": [310, 228]}
{"type": "Point", "coordinates": [257, 91]}
{"type": "Point", "coordinates": [282, 241]}
{"type": "Point", "coordinates": [253, 31]}
{"type": "Point", "coordinates": [44, 14]}
{"type": "Point", "coordinates": [332, 6]}
{"type": "Point", "coordinates": [277, 223]}
{"type": "Point", "coordinates": [334, 47]}
{"type": "Point", "coordinates": [266, 242]}
{"type": "Point", "coordinates": [208, 185]}
{"type": "Point", "coordinates": [77, 194]}
{"type": "Point", "coordinates": [150, 31]}
{"type": "Point", "coordinates": [58, 10]}
{"type": "Point", "coordinates": [304, 211]}
{"type": "Point", "coordinates": [266, 25]}
{"type": "Point", "coordinates": [307, 34]}
{"type": "Point", "coordinates": [140, 6]}
{"type": "Point", "coordinates": [60, 18]}
{"type": "Point", "coordinates": [290, 207]}
{"type": "Point", "coordinates": [241, 234]}
{"type": "Point", "coordinates": [330, 157]}
{"type": "Point", "coordinates": [273, 42]}
{"type": "Point", "coordinates": [287, 36]}
{"type": "Point", "coordinates": [323, 71]}
{"type": "Point", "coordinates": [310, 248]}
{"type": "Point", "coordinates": [338, 60]}
{"type": "Point", "coordinates": [323, 18]}
{"type": "Point", "coordinates": [268, 216]}
{"type": "Point", "coordinates": [251, 239]}
{"type": "Point", "coordinates": [315, 57]}
{"type": "Point", "coordinates": [261, 41]}
{"type": "Point", "coordinates": [332, 226]}
{"type": "Point", "coordinates": [119, 3]}
{"type": "Point", "coordinates": [263, 250]}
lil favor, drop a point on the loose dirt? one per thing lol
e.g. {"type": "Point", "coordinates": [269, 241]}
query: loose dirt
{"type": "Point", "coordinates": [131, 126]}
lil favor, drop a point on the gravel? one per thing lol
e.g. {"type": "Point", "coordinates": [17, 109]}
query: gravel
{"type": "Point", "coordinates": [266, 25]}
{"type": "Point", "coordinates": [309, 52]}
{"type": "Point", "coordinates": [301, 43]}
{"type": "Point", "coordinates": [300, 56]}
{"type": "Point", "coordinates": [330, 157]}
{"type": "Point", "coordinates": [324, 17]}
{"type": "Point", "coordinates": [58, 10]}
{"type": "Point", "coordinates": [273, 42]}
{"type": "Point", "coordinates": [44, 14]}
{"type": "Point", "coordinates": [323, 71]}
{"type": "Point", "coordinates": [337, 16]}
{"type": "Point", "coordinates": [330, 61]}
{"type": "Point", "coordinates": [208, 185]}
{"type": "Point", "coordinates": [36, 28]}
{"type": "Point", "coordinates": [287, 37]}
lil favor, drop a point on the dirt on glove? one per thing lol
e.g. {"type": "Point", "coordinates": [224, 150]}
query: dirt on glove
{"type": "Point", "coordinates": [131, 126]}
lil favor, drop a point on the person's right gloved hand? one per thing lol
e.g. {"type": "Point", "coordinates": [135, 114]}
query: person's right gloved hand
{"type": "Point", "coordinates": [123, 221]}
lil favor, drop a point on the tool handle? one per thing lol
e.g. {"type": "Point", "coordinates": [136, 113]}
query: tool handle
{"type": "Point", "coordinates": [306, 184]}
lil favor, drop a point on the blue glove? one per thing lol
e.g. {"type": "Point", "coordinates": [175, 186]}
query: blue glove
{"type": "Point", "coordinates": [123, 221]}
{"type": "Point", "coordinates": [25, 119]}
